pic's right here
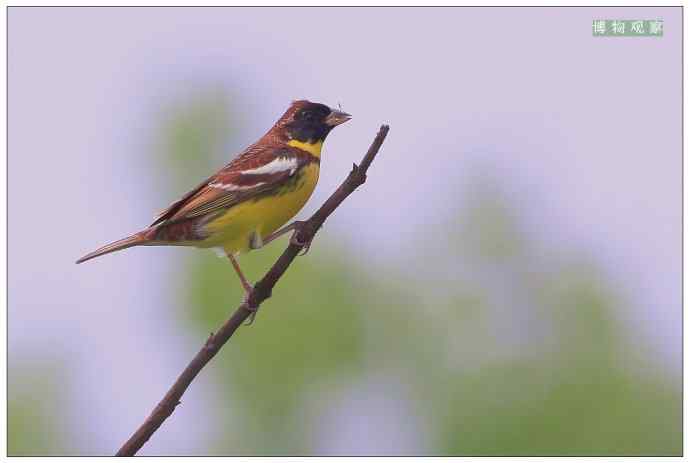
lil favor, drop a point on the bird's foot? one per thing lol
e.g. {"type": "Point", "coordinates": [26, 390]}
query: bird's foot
{"type": "Point", "coordinates": [252, 310]}
{"type": "Point", "coordinates": [298, 237]}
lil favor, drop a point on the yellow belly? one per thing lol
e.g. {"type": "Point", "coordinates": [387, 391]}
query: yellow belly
{"type": "Point", "coordinates": [234, 229]}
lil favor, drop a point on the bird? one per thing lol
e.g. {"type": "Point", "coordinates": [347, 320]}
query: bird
{"type": "Point", "coordinates": [242, 206]}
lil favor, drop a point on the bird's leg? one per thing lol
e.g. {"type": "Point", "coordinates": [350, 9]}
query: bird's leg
{"type": "Point", "coordinates": [245, 284]}
{"type": "Point", "coordinates": [279, 233]}
{"type": "Point", "coordinates": [247, 288]}
{"type": "Point", "coordinates": [293, 240]}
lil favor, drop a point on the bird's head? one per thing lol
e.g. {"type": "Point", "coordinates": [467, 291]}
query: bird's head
{"type": "Point", "coordinates": [310, 123]}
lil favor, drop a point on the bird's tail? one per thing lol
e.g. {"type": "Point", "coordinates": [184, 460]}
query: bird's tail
{"type": "Point", "coordinates": [137, 239]}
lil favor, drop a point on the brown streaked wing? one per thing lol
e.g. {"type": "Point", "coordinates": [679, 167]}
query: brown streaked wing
{"type": "Point", "coordinates": [255, 155]}
{"type": "Point", "coordinates": [210, 199]}
{"type": "Point", "coordinates": [171, 210]}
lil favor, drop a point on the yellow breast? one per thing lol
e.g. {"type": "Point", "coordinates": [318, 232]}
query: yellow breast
{"type": "Point", "coordinates": [312, 148]}
{"type": "Point", "coordinates": [234, 229]}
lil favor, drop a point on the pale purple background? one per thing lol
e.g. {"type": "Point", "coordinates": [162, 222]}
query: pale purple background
{"type": "Point", "coordinates": [584, 132]}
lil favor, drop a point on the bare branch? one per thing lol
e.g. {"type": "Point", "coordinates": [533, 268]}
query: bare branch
{"type": "Point", "coordinates": [304, 233]}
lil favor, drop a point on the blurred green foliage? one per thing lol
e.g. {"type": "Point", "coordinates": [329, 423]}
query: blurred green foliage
{"type": "Point", "coordinates": [36, 410]}
{"type": "Point", "coordinates": [558, 380]}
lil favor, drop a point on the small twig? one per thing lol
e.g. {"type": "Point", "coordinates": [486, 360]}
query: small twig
{"type": "Point", "coordinates": [304, 233]}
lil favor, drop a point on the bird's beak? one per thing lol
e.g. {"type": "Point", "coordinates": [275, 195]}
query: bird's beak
{"type": "Point", "coordinates": [337, 117]}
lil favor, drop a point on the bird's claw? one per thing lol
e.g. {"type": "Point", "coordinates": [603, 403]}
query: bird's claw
{"type": "Point", "coordinates": [252, 316]}
{"type": "Point", "coordinates": [305, 249]}
{"type": "Point", "coordinates": [297, 242]}
{"type": "Point", "coordinates": [252, 310]}
{"type": "Point", "coordinates": [295, 238]}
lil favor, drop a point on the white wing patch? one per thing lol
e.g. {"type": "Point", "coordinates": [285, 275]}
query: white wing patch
{"type": "Point", "coordinates": [277, 165]}
{"type": "Point", "coordinates": [233, 187]}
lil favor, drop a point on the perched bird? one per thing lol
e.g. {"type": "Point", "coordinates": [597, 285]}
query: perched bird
{"type": "Point", "coordinates": [243, 205]}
